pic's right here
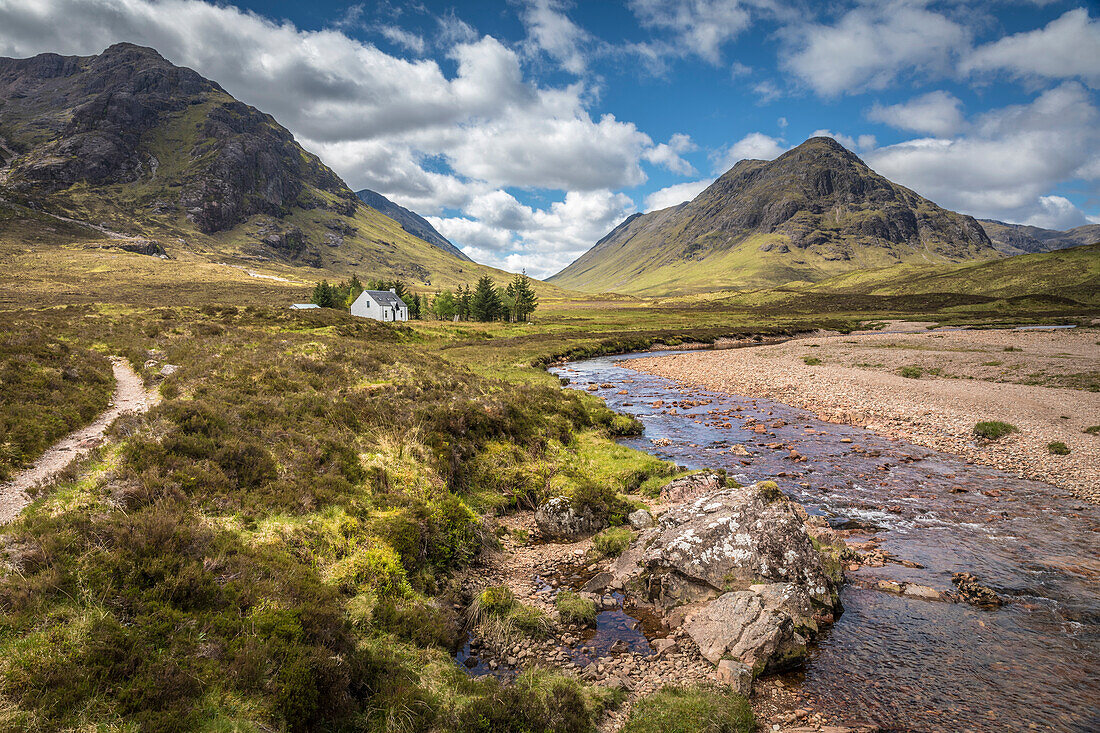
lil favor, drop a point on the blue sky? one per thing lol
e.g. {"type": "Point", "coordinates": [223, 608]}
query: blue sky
{"type": "Point", "coordinates": [526, 129]}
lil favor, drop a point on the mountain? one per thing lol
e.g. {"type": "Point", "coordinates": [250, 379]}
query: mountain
{"type": "Point", "coordinates": [410, 221]}
{"type": "Point", "coordinates": [128, 147]}
{"type": "Point", "coordinates": [1014, 239]}
{"type": "Point", "coordinates": [813, 212]}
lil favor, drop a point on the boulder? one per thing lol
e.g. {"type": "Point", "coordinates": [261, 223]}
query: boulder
{"type": "Point", "coordinates": [640, 519]}
{"type": "Point", "coordinates": [766, 627]}
{"type": "Point", "coordinates": [687, 488]}
{"type": "Point", "coordinates": [738, 571]}
{"type": "Point", "coordinates": [735, 675]}
{"type": "Point", "coordinates": [557, 519]}
{"type": "Point", "coordinates": [724, 541]}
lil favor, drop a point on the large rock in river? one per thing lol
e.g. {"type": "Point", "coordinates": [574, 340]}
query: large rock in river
{"type": "Point", "coordinates": [739, 571]}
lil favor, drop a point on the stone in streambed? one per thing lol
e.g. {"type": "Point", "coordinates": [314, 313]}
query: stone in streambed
{"type": "Point", "coordinates": [736, 675]}
{"type": "Point", "coordinates": [557, 519]}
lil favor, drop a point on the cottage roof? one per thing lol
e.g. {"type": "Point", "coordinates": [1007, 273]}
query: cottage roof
{"type": "Point", "coordinates": [385, 297]}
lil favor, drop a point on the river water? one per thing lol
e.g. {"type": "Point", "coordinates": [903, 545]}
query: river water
{"type": "Point", "coordinates": [904, 663]}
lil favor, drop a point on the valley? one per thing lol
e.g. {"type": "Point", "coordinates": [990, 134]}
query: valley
{"type": "Point", "coordinates": [806, 452]}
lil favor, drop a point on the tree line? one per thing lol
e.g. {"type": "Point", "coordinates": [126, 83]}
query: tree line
{"type": "Point", "coordinates": [484, 302]}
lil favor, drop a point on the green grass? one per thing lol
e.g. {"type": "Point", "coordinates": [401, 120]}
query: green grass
{"type": "Point", "coordinates": [994, 429]}
{"type": "Point", "coordinates": [1058, 448]}
{"type": "Point", "coordinates": [911, 372]}
{"type": "Point", "coordinates": [1092, 430]}
{"type": "Point", "coordinates": [691, 710]}
{"type": "Point", "coordinates": [612, 541]}
{"type": "Point", "coordinates": [811, 360]}
{"type": "Point", "coordinates": [573, 609]}
{"type": "Point", "coordinates": [48, 388]}
{"type": "Point", "coordinates": [496, 615]}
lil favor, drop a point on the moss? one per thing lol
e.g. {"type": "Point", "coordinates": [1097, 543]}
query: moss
{"type": "Point", "coordinates": [690, 710]}
{"type": "Point", "coordinates": [1058, 448]}
{"type": "Point", "coordinates": [811, 360]}
{"type": "Point", "coordinates": [770, 491]}
{"type": "Point", "coordinates": [911, 372]}
{"type": "Point", "coordinates": [575, 609]}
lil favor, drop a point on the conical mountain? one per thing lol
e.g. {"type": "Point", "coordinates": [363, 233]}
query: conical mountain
{"type": "Point", "coordinates": [813, 212]}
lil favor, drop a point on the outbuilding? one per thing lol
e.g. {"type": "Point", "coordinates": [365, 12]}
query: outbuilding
{"type": "Point", "coordinates": [381, 305]}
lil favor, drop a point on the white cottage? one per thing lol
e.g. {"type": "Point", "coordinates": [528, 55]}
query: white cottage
{"type": "Point", "coordinates": [381, 305]}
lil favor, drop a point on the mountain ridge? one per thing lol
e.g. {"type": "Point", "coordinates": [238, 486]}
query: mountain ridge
{"type": "Point", "coordinates": [127, 141]}
{"type": "Point", "coordinates": [813, 212]}
{"type": "Point", "coordinates": [1015, 239]}
{"type": "Point", "coordinates": [410, 221]}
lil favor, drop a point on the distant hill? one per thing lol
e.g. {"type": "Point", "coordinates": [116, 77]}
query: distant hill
{"type": "Point", "coordinates": [813, 212]}
{"type": "Point", "coordinates": [127, 143]}
{"type": "Point", "coordinates": [1015, 239]}
{"type": "Point", "coordinates": [410, 221]}
{"type": "Point", "coordinates": [1071, 273]}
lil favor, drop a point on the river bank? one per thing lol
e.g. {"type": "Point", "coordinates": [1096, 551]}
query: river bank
{"type": "Point", "coordinates": [1025, 378]}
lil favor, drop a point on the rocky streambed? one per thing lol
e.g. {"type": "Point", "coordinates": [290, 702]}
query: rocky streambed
{"type": "Point", "coordinates": [972, 602]}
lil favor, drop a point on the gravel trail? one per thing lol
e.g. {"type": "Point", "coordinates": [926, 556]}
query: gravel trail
{"type": "Point", "coordinates": [856, 383]}
{"type": "Point", "coordinates": [130, 396]}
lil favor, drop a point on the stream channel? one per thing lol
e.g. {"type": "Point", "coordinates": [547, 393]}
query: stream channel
{"type": "Point", "coordinates": [904, 663]}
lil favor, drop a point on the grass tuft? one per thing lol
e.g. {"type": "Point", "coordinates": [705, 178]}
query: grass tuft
{"type": "Point", "coordinates": [574, 609]}
{"type": "Point", "coordinates": [811, 360]}
{"type": "Point", "coordinates": [994, 429]}
{"type": "Point", "coordinates": [1058, 448]}
{"type": "Point", "coordinates": [911, 372]}
{"type": "Point", "coordinates": [612, 541]}
{"type": "Point", "coordinates": [691, 710]}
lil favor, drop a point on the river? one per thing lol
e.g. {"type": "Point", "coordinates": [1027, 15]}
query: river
{"type": "Point", "coordinates": [904, 663]}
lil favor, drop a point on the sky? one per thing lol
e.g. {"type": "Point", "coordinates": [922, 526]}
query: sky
{"type": "Point", "coordinates": [525, 130]}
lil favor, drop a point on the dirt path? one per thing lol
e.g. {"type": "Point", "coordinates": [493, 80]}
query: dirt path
{"type": "Point", "coordinates": [130, 396]}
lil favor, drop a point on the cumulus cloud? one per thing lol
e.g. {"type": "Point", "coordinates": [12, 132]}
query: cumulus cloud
{"type": "Point", "coordinates": [754, 146]}
{"type": "Point", "coordinates": [1009, 161]}
{"type": "Point", "coordinates": [512, 235]}
{"type": "Point", "coordinates": [936, 113]}
{"type": "Point", "coordinates": [1067, 47]}
{"type": "Point", "coordinates": [403, 38]}
{"type": "Point", "coordinates": [862, 142]}
{"type": "Point", "coordinates": [673, 195]}
{"type": "Point", "coordinates": [871, 46]}
{"type": "Point", "coordinates": [668, 154]}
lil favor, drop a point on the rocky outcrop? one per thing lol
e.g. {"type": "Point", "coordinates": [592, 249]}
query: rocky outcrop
{"type": "Point", "coordinates": [738, 570]}
{"type": "Point", "coordinates": [691, 487]}
{"type": "Point", "coordinates": [558, 520]}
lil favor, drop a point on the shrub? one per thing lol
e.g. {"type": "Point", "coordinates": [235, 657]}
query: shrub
{"type": "Point", "coordinates": [691, 710]}
{"type": "Point", "coordinates": [994, 429]}
{"type": "Point", "coordinates": [911, 372]}
{"type": "Point", "coordinates": [573, 609]}
{"type": "Point", "coordinates": [537, 702]}
{"type": "Point", "coordinates": [376, 566]}
{"type": "Point", "coordinates": [611, 542]}
{"type": "Point", "coordinates": [1058, 448]}
{"type": "Point", "coordinates": [811, 360]}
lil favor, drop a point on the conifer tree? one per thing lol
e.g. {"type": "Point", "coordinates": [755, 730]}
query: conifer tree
{"type": "Point", "coordinates": [485, 305]}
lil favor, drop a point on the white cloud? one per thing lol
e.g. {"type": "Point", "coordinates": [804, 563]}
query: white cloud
{"type": "Point", "coordinates": [936, 113]}
{"type": "Point", "coordinates": [766, 92]}
{"type": "Point", "coordinates": [699, 27]}
{"type": "Point", "coordinates": [1056, 212]}
{"type": "Point", "coordinates": [514, 236]}
{"type": "Point", "coordinates": [1067, 47]}
{"type": "Point", "coordinates": [403, 38]}
{"type": "Point", "coordinates": [668, 154]}
{"type": "Point", "coordinates": [754, 146]}
{"type": "Point", "coordinates": [551, 30]}
{"type": "Point", "coordinates": [871, 46]}
{"type": "Point", "coordinates": [673, 195]}
{"type": "Point", "coordinates": [1006, 165]}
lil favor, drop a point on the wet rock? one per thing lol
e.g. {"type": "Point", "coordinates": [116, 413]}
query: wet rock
{"type": "Point", "coordinates": [598, 582]}
{"type": "Point", "coordinates": [640, 519]}
{"type": "Point", "coordinates": [557, 519]}
{"type": "Point", "coordinates": [974, 593]}
{"type": "Point", "coordinates": [736, 675]}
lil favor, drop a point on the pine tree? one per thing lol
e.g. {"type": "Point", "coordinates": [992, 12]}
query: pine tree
{"type": "Point", "coordinates": [524, 300]}
{"type": "Point", "coordinates": [485, 305]}
{"type": "Point", "coordinates": [462, 301]}
{"type": "Point", "coordinates": [324, 295]}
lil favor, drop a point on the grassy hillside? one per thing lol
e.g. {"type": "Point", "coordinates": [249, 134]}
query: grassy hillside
{"type": "Point", "coordinates": [1069, 273]}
